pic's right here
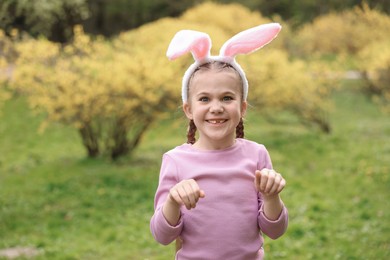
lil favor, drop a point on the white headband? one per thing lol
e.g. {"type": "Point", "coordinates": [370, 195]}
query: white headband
{"type": "Point", "coordinates": [199, 44]}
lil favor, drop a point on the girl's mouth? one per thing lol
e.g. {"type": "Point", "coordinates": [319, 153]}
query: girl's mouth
{"type": "Point", "coordinates": [216, 121]}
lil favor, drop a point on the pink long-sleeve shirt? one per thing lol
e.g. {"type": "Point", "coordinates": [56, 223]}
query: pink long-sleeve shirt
{"type": "Point", "coordinates": [228, 223]}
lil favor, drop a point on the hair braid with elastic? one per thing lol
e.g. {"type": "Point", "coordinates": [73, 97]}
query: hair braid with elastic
{"type": "Point", "coordinates": [240, 129]}
{"type": "Point", "coordinates": [191, 132]}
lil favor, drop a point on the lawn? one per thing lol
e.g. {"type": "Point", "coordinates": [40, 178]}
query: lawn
{"type": "Point", "coordinates": [54, 199]}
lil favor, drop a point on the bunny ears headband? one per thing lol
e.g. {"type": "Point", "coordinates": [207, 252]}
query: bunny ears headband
{"type": "Point", "coordinates": [199, 44]}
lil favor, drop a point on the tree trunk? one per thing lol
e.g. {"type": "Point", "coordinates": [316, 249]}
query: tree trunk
{"type": "Point", "coordinates": [122, 145]}
{"type": "Point", "coordinates": [119, 136]}
{"type": "Point", "coordinates": [90, 140]}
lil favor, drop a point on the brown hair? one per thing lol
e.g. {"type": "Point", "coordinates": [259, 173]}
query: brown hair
{"type": "Point", "coordinates": [217, 65]}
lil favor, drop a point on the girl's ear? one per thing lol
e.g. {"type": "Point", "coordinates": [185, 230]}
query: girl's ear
{"type": "Point", "coordinates": [187, 110]}
{"type": "Point", "coordinates": [244, 106]}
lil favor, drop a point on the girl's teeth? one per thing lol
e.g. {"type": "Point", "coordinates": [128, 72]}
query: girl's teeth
{"type": "Point", "coordinates": [216, 121]}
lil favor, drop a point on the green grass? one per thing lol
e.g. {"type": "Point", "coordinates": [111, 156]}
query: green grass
{"type": "Point", "coordinates": [70, 207]}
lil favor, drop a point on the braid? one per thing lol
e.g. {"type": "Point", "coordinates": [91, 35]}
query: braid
{"type": "Point", "coordinates": [191, 132]}
{"type": "Point", "coordinates": [240, 129]}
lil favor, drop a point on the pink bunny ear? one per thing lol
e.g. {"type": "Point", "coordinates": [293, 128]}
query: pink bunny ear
{"type": "Point", "coordinates": [250, 40]}
{"type": "Point", "coordinates": [184, 41]}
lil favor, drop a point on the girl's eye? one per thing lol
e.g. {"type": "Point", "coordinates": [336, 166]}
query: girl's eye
{"type": "Point", "coordinates": [204, 99]}
{"type": "Point", "coordinates": [227, 98]}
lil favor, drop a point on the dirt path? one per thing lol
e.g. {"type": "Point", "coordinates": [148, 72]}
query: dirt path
{"type": "Point", "coordinates": [15, 252]}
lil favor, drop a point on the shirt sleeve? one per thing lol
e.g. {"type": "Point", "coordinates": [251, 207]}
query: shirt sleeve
{"type": "Point", "coordinates": [162, 231]}
{"type": "Point", "coordinates": [264, 159]}
{"type": "Point", "coordinates": [272, 228]}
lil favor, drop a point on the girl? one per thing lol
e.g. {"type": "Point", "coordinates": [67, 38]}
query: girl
{"type": "Point", "coordinates": [218, 194]}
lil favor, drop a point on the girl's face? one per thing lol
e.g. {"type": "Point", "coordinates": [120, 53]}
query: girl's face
{"type": "Point", "coordinates": [216, 106]}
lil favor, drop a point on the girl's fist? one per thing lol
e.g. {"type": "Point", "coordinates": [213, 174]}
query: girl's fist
{"type": "Point", "coordinates": [187, 193]}
{"type": "Point", "coordinates": [268, 182]}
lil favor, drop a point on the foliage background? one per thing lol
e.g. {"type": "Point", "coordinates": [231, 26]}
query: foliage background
{"type": "Point", "coordinates": [64, 205]}
{"type": "Point", "coordinates": [56, 18]}
{"type": "Point", "coordinates": [111, 91]}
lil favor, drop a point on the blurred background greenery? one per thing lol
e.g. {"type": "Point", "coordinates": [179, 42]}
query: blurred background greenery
{"type": "Point", "coordinates": [56, 18]}
{"type": "Point", "coordinates": [89, 103]}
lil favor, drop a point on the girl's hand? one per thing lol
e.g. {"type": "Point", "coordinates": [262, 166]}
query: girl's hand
{"type": "Point", "coordinates": [269, 182]}
{"type": "Point", "coordinates": [187, 193]}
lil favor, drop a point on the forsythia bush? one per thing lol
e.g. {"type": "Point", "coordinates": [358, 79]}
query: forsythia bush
{"type": "Point", "coordinates": [375, 65]}
{"type": "Point", "coordinates": [112, 91]}
{"type": "Point", "coordinates": [111, 95]}
{"type": "Point", "coordinates": [276, 83]}
{"type": "Point", "coordinates": [231, 19]}
{"type": "Point", "coordinates": [360, 35]}
{"type": "Point", "coordinates": [347, 32]}
{"type": "Point", "coordinates": [7, 55]}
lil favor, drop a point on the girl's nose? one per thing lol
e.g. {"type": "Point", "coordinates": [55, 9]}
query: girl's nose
{"type": "Point", "coordinates": [216, 107]}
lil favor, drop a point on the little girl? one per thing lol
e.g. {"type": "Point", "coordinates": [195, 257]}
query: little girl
{"type": "Point", "coordinates": [218, 193]}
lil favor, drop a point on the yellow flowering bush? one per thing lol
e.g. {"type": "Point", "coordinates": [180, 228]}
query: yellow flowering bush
{"type": "Point", "coordinates": [231, 19]}
{"type": "Point", "coordinates": [7, 56]}
{"type": "Point", "coordinates": [112, 91]}
{"type": "Point", "coordinates": [375, 65]}
{"type": "Point", "coordinates": [347, 32]}
{"type": "Point", "coordinates": [359, 39]}
{"type": "Point", "coordinates": [111, 95]}
{"type": "Point", "coordinates": [276, 83]}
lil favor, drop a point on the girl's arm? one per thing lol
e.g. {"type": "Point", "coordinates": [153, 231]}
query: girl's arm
{"type": "Point", "coordinates": [273, 218]}
{"type": "Point", "coordinates": [270, 183]}
{"type": "Point", "coordinates": [161, 229]}
{"type": "Point", "coordinates": [273, 206]}
{"type": "Point", "coordinates": [171, 211]}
